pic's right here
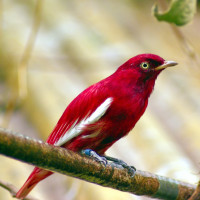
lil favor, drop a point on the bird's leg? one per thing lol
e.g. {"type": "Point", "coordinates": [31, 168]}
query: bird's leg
{"type": "Point", "coordinates": [93, 154]}
{"type": "Point", "coordinates": [104, 160]}
{"type": "Point", "coordinates": [116, 161]}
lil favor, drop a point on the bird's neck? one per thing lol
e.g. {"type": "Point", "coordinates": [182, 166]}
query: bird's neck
{"type": "Point", "coordinates": [145, 86]}
{"type": "Point", "coordinates": [134, 84]}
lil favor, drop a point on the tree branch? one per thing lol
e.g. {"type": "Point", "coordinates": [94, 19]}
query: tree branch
{"type": "Point", "coordinates": [61, 160]}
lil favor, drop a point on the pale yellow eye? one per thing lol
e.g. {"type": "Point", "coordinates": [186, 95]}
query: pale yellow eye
{"type": "Point", "coordinates": [144, 65]}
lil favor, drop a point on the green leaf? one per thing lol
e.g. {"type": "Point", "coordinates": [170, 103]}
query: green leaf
{"type": "Point", "coordinates": [180, 12]}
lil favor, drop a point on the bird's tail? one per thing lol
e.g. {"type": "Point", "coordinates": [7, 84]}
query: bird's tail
{"type": "Point", "coordinates": [36, 176]}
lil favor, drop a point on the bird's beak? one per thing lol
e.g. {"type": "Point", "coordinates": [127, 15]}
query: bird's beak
{"type": "Point", "coordinates": [165, 65]}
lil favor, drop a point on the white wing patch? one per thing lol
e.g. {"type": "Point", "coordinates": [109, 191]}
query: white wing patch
{"type": "Point", "coordinates": [76, 129]}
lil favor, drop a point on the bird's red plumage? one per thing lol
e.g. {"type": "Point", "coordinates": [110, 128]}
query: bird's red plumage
{"type": "Point", "coordinates": [129, 87]}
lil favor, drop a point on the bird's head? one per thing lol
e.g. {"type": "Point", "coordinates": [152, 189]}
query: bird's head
{"type": "Point", "coordinates": [146, 66]}
{"type": "Point", "coordinates": [140, 72]}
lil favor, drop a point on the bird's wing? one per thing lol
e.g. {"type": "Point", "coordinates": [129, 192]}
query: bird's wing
{"type": "Point", "coordinates": [77, 128]}
{"type": "Point", "coordinates": [86, 109]}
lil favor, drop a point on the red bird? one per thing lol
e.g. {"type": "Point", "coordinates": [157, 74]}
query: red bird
{"type": "Point", "coordinates": [104, 112]}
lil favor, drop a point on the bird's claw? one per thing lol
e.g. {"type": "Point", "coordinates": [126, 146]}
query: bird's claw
{"type": "Point", "coordinates": [115, 162]}
{"type": "Point", "coordinates": [131, 169]}
{"type": "Point", "coordinates": [94, 155]}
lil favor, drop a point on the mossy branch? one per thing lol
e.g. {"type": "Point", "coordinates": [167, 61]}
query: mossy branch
{"type": "Point", "coordinates": [61, 160]}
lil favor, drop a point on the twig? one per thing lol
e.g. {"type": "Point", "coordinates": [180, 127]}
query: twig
{"type": "Point", "coordinates": [183, 40]}
{"type": "Point", "coordinates": [61, 160]}
{"type": "Point", "coordinates": [12, 189]}
{"type": "Point", "coordinates": [22, 70]}
{"type": "Point", "coordinates": [196, 194]}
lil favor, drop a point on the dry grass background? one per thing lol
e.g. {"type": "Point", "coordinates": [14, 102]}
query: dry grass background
{"type": "Point", "coordinates": [51, 50]}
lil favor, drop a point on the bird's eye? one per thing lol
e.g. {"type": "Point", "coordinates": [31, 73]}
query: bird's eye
{"type": "Point", "coordinates": [144, 65]}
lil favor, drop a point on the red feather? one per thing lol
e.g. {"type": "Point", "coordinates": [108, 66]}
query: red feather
{"type": "Point", "coordinates": [129, 87]}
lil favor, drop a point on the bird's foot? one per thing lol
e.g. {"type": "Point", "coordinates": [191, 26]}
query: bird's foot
{"type": "Point", "coordinates": [131, 169]}
{"type": "Point", "coordinates": [93, 154]}
{"type": "Point", "coordinates": [115, 162]}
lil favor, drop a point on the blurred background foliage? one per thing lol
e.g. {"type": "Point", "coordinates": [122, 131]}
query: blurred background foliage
{"type": "Point", "coordinates": [51, 50]}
